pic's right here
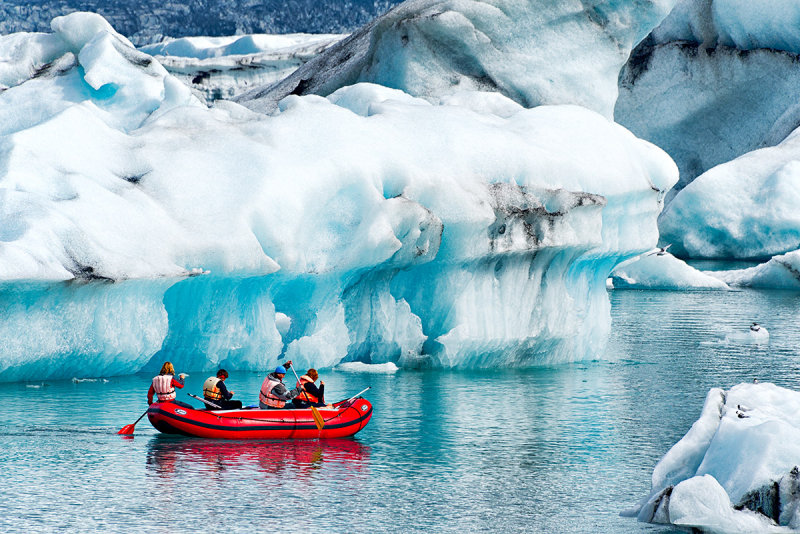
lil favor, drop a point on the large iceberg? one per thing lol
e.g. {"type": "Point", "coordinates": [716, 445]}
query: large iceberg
{"type": "Point", "coordinates": [746, 208]}
{"type": "Point", "coordinates": [534, 52]}
{"type": "Point", "coordinates": [715, 80]}
{"type": "Point", "coordinates": [369, 225]}
{"type": "Point", "coordinates": [737, 470]}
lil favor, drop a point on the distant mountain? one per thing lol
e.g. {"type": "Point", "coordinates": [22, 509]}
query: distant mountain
{"type": "Point", "coordinates": [149, 21]}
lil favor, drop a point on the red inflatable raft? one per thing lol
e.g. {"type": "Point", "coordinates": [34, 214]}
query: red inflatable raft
{"type": "Point", "coordinates": [344, 419]}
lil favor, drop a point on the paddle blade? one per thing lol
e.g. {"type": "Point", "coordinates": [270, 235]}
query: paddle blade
{"type": "Point", "coordinates": [318, 420]}
{"type": "Point", "coordinates": [127, 429]}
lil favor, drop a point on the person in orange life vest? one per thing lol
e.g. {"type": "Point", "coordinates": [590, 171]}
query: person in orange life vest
{"type": "Point", "coordinates": [274, 393]}
{"type": "Point", "coordinates": [164, 385]}
{"type": "Point", "coordinates": [311, 395]}
{"type": "Point", "coordinates": [214, 390]}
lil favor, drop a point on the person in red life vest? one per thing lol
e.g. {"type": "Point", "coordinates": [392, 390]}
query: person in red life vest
{"type": "Point", "coordinates": [311, 395]}
{"type": "Point", "coordinates": [274, 393]}
{"type": "Point", "coordinates": [164, 385]}
{"type": "Point", "coordinates": [214, 390]}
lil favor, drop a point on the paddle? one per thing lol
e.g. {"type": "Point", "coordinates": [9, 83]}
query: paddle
{"type": "Point", "coordinates": [128, 429]}
{"type": "Point", "coordinates": [208, 402]}
{"type": "Point", "coordinates": [318, 420]}
{"type": "Point", "coordinates": [354, 396]}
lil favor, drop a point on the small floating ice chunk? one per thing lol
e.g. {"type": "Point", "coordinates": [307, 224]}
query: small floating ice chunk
{"type": "Point", "coordinates": [76, 380]}
{"type": "Point", "coordinates": [361, 367]}
{"type": "Point", "coordinates": [755, 334]}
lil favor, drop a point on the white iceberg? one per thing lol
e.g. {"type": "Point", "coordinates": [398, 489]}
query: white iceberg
{"type": "Point", "coordinates": [722, 213]}
{"type": "Point", "coordinates": [715, 80]}
{"type": "Point", "coordinates": [662, 270]}
{"type": "Point", "coordinates": [384, 226]}
{"type": "Point", "coordinates": [780, 272]}
{"type": "Point", "coordinates": [736, 470]}
{"type": "Point", "coordinates": [534, 52]}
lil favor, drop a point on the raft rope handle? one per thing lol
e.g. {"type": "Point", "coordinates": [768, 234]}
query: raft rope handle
{"type": "Point", "coordinates": [283, 421]}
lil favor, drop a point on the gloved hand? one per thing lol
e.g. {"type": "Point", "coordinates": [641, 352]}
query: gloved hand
{"type": "Point", "coordinates": [288, 364]}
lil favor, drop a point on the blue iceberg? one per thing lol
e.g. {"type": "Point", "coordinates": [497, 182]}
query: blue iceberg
{"type": "Point", "coordinates": [370, 225]}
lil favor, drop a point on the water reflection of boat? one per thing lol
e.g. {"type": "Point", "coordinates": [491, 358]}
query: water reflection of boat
{"type": "Point", "coordinates": [342, 420]}
{"type": "Point", "coordinates": [165, 454]}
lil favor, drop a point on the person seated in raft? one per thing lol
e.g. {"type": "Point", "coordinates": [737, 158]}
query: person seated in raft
{"type": "Point", "coordinates": [273, 392]}
{"type": "Point", "coordinates": [311, 395]}
{"type": "Point", "coordinates": [214, 390]}
{"type": "Point", "coordinates": [164, 385]}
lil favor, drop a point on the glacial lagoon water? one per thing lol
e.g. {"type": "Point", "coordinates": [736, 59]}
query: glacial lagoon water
{"type": "Point", "coordinates": [558, 449]}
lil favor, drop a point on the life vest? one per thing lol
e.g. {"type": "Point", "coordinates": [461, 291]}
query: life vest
{"type": "Point", "coordinates": [162, 385]}
{"type": "Point", "coordinates": [211, 390]}
{"type": "Point", "coordinates": [266, 395]}
{"type": "Point", "coordinates": [306, 395]}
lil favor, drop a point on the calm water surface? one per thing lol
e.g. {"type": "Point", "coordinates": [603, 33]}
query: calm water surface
{"type": "Point", "coordinates": [559, 449]}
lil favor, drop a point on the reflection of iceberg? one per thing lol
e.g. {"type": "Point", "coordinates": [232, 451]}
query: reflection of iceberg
{"type": "Point", "coordinates": [294, 458]}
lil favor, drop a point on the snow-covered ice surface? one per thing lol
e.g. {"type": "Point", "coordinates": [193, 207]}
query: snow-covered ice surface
{"type": "Point", "coordinates": [662, 270]}
{"type": "Point", "coordinates": [746, 208]}
{"type": "Point", "coordinates": [715, 80]}
{"type": "Point", "coordinates": [534, 52]}
{"type": "Point", "coordinates": [370, 225]}
{"type": "Point", "coordinates": [224, 67]}
{"type": "Point", "coordinates": [736, 470]}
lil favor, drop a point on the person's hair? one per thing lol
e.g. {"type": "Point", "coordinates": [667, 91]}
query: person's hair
{"type": "Point", "coordinates": [222, 373]}
{"type": "Point", "coordinates": [312, 374]}
{"type": "Point", "coordinates": [167, 369]}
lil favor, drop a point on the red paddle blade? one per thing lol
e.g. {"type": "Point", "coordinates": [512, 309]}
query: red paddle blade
{"type": "Point", "coordinates": [127, 429]}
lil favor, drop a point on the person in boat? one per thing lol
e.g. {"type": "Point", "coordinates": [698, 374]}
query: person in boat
{"type": "Point", "coordinates": [311, 395]}
{"type": "Point", "coordinates": [214, 390]}
{"type": "Point", "coordinates": [163, 385]}
{"type": "Point", "coordinates": [274, 394]}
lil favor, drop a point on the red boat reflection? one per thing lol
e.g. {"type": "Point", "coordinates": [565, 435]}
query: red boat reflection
{"type": "Point", "coordinates": [297, 457]}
